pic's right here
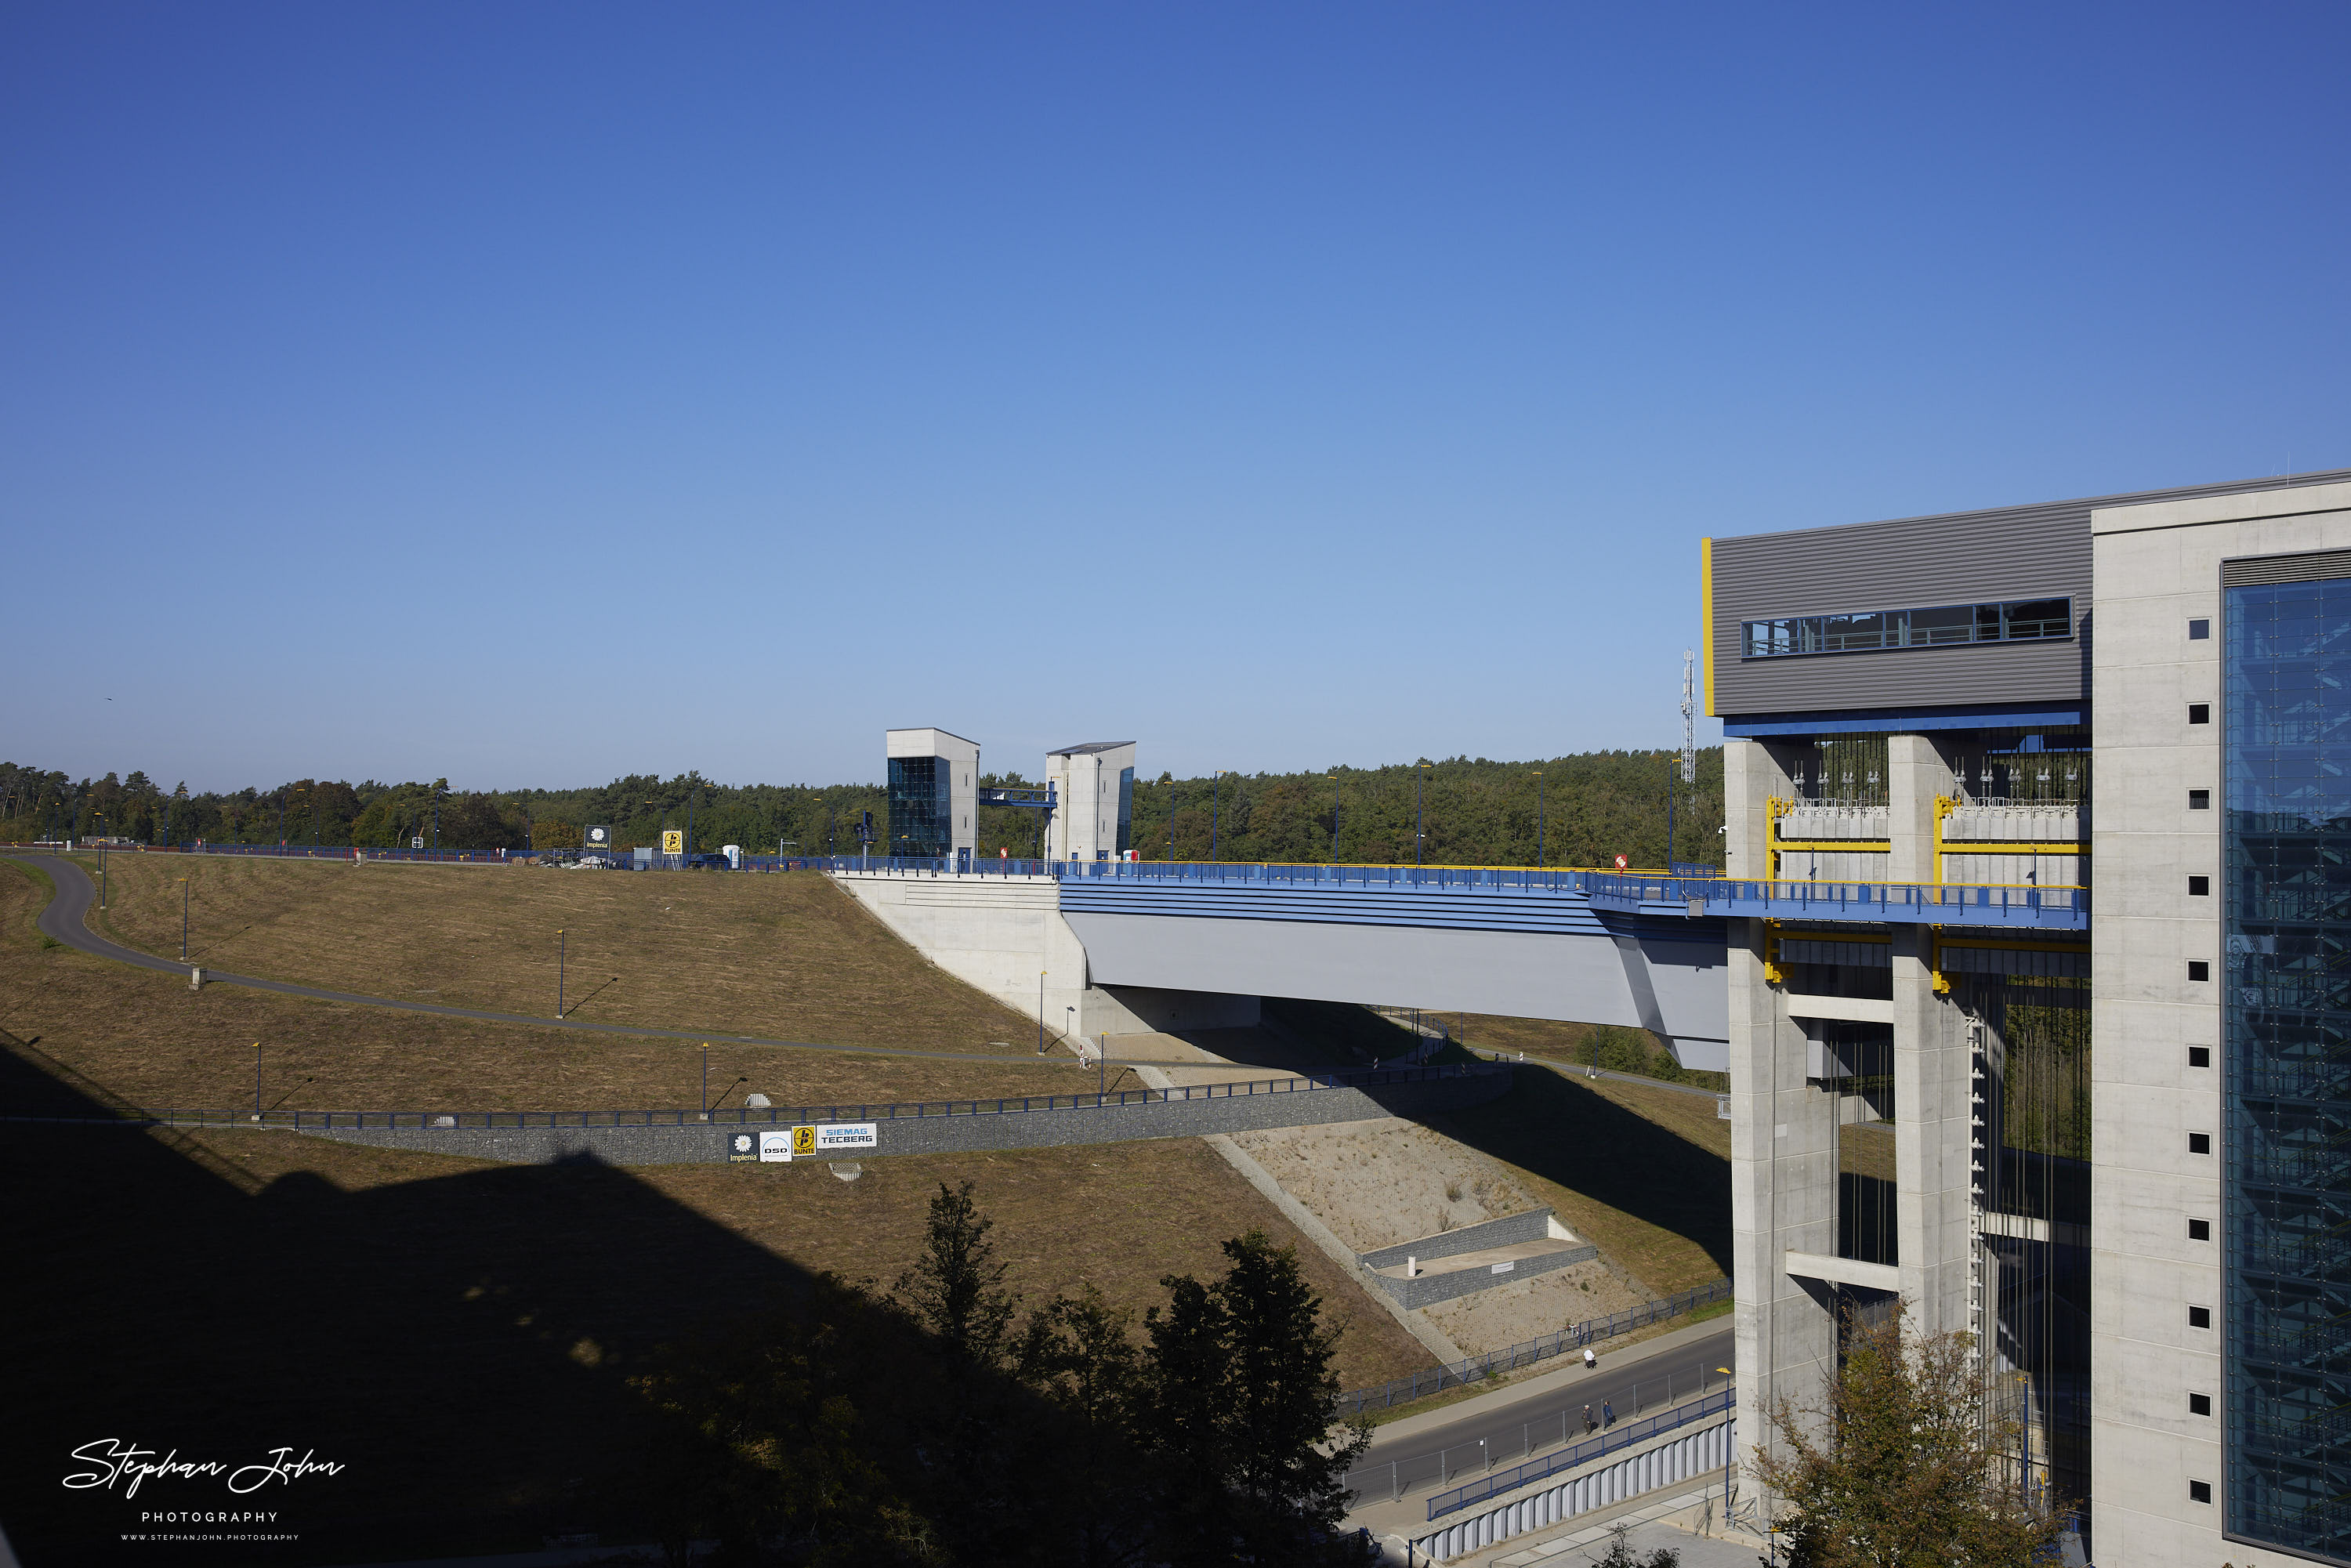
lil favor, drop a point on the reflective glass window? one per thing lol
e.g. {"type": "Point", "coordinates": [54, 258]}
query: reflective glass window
{"type": "Point", "coordinates": [2287, 1018]}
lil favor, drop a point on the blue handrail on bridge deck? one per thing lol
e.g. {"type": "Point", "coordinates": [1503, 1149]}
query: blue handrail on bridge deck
{"type": "Point", "coordinates": [1629, 891]}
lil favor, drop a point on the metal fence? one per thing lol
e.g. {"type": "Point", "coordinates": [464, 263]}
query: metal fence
{"type": "Point", "coordinates": [1631, 1433]}
{"type": "Point", "coordinates": [1454, 1375]}
{"type": "Point", "coordinates": [786, 1115]}
{"type": "Point", "coordinates": [1398, 1477]}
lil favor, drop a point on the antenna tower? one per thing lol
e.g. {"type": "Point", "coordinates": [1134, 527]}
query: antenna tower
{"type": "Point", "coordinates": [1690, 724]}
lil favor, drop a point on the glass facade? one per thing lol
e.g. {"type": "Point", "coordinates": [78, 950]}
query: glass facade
{"type": "Point", "coordinates": [2287, 1011]}
{"type": "Point", "coordinates": [920, 810]}
{"type": "Point", "coordinates": [2016, 620]}
{"type": "Point", "coordinates": [1125, 811]}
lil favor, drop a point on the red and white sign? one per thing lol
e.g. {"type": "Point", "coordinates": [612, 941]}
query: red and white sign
{"type": "Point", "coordinates": [1622, 862]}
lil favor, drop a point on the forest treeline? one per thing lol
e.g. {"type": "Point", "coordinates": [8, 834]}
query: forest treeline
{"type": "Point", "coordinates": [1580, 810]}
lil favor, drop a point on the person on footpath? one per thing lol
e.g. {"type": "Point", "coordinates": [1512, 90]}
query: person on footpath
{"type": "Point", "coordinates": [1607, 1413]}
{"type": "Point", "coordinates": [1590, 1360]}
{"type": "Point", "coordinates": [1587, 1418]}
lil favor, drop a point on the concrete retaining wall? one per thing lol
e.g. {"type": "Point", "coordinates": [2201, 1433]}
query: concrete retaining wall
{"type": "Point", "coordinates": [955, 1134]}
{"type": "Point", "coordinates": [1510, 1229]}
{"type": "Point", "coordinates": [1428, 1290]}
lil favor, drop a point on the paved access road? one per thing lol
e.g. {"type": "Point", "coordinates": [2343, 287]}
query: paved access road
{"type": "Point", "coordinates": [1514, 1429]}
{"type": "Point", "coordinates": [68, 915]}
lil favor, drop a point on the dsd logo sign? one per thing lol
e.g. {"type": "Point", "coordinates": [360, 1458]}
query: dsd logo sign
{"type": "Point", "coordinates": [673, 840]}
{"type": "Point", "coordinates": [596, 838]}
{"type": "Point", "coordinates": [775, 1146]}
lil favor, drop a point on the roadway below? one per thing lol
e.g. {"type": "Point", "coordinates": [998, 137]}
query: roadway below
{"type": "Point", "coordinates": [67, 919]}
{"type": "Point", "coordinates": [1439, 1448]}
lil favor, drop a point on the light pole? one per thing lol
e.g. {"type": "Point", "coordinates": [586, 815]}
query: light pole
{"type": "Point", "coordinates": [1334, 818]}
{"type": "Point", "coordinates": [1041, 1012]}
{"type": "Point", "coordinates": [1726, 1470]}
{"type": "Point", "coordinates": [183, 920]}
{"type": "Point", "coordinates": [1671, 793]}
{"type": "Point", "coordinates": [705, 1080]}
{"type": "Point", "coordinates": [1419, 815]}
{"type": "Point", "coordinates": [1538, 817]}
{"type": "Point", "coordinates": [561, 943]}
{"type": "Point", "coordinates": [257, 1082]}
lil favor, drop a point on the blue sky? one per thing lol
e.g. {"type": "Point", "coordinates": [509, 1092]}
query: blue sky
{"type": "Point", "coordinates": [530, 394]}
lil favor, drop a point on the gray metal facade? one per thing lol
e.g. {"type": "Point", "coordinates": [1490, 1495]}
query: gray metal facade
{"type": "Point", "coordinates": [2006, 553]}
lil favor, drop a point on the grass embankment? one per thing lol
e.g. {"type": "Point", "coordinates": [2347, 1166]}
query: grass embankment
{"type": "Point", "coordinates": [1644, 1173]}
{"type": "Point", "coordinates": [1619, 1050]}
{"type": "Point", "coordinates": [788, 956]}
{"type": "Point", "coordinates": [457, 1333]}
{"type": "Point", "coordinates": [150, 1040]}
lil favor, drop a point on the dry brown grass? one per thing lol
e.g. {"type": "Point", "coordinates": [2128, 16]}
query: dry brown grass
{"type": "Point", "coordinates": [459, 1334]}
{"type": "Point", "coordinates": [150, 1040]}
{"type": "Point", "coordinates": [458, 1331]}
{"type": "Point", "coordinates": [786, 957]}
{"type": "Point", "coordinates": [1642, 1172]}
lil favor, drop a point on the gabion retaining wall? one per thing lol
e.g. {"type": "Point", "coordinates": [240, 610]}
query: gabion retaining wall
{"type": "Point", "coordinates": [953, 1134]}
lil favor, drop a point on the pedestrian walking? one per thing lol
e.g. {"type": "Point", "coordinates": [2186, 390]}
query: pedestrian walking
{"type": "Point", "coordinates": [1587, 1418]}
{"type": "Point", "coordinates": [1607, 1413]}
{"type": "Point", "coordinates": [1590, 1360]}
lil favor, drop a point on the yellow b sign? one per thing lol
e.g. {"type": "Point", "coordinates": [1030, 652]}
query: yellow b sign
{"type": "Point", "coordinates": [803, 1142]}
{"type": "Point", "coordinates": [673, 840]}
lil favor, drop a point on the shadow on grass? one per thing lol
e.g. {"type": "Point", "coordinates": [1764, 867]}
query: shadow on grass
{"type": "Point", "coordinates": [462, 1344]}
{"type": "Point", "coordinates": [1597, 1147]}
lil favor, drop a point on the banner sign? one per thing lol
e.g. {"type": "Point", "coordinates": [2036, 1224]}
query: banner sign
{"type": "Point", "coordinates": [775, 1146]}
{"type": "Point", "coordinates": [596, 838]}
{"type": "Point", "coordinates": [741, 1148]}
{"type": "Point", "coordinates": [832, 1135]}
{"type": "Point", "coordinates": [673, 840]}
{"type": "Point", "coordinates": [803, 1141]}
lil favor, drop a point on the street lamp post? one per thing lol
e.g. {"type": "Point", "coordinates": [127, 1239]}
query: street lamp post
{"type": "Point", "coordinates": [257, 1080]}
{"type": "Point", "coordinates": [1216, 792]}
{"type": "Point", "coordinates": [1726, 1470]}
{"type": "Point", "coordinates": [183, 920]}
{"type": "Point", "coordinates": [1334, 818]}
{"type": "Point", "coordinates": [1419, 815]}
{"type": "Point", "coordinates": [1538, 817]}
{"type": "Point", "coordinates": [561, 944]}
{"type": "Point", "coordinates": [1041, 1012]}
{"type": "Point", "coordinates": [1671, 794]}
{"type": "Point", "coordinates": [705, 1080]}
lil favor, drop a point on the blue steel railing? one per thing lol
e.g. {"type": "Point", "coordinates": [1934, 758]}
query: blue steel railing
{"type": "Point", "coordinates": [1624, 1436]}
{"type": "Point", "coordinates": [1652, 893]}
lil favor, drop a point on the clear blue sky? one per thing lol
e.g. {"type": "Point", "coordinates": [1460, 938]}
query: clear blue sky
{"type": "Point", "coordinates": [529, 394]}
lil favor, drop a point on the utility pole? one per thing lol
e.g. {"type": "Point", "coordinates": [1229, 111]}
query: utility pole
{"type": "Point", "coordinates": [1689, 739]}
{"type": "Point", "coordinates": [1419, 816]}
